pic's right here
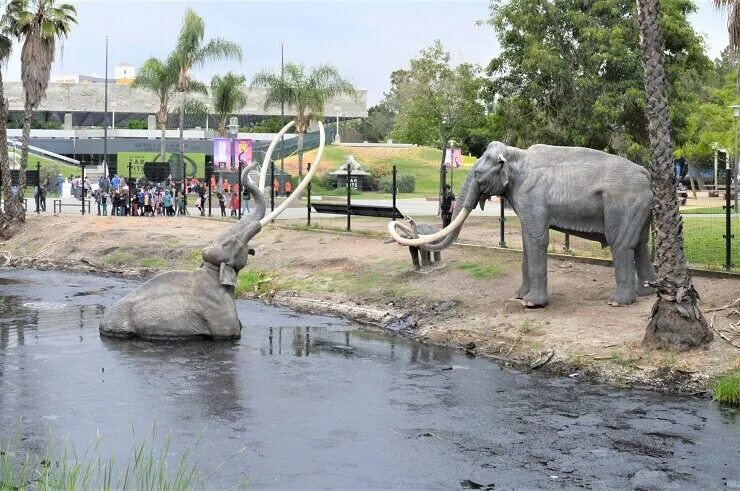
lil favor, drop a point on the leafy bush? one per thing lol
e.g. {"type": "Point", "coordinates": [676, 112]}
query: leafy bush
{"type": "Point", "coordinates": [329, 181]}
{"type": "Point", "coordinates": [406, 183]}
{"type": "Point", "coordinates": [137, 124]}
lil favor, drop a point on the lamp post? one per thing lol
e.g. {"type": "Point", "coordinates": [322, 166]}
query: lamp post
{"type": "Point", "coordinates": [337, 139]}
{"type": "Point", "coordinates": [233, 130]}
{"type": "Point", "coordinates": [113, 121]}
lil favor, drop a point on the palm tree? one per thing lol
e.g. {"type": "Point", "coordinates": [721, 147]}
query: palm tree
{"type": "Point", "coordinates": [227, 97]}
{"type": "Point", "coordinates": [5, 48]}
{"type": "Point", "coordinates": [191, 51]}
{"type": "Point", "coordinates": [38, 24]}
{"type": "Point", "coordinates": [160, 78]}
{"type": "Point", "coordinates": [675, 321]}
{"type": "Point", "coordinates": [306, 92]}
{"type": "Point", "coordinates": [733, 22]}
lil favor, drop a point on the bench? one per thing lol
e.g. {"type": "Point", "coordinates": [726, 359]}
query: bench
{"type": "Point", "coordinates": [358, 210]}
{"type": "Point", "coordinates": [58, 205]}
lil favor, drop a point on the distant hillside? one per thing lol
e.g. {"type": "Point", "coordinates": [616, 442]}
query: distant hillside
{"type": "Point", "coordinates": [422, 162]}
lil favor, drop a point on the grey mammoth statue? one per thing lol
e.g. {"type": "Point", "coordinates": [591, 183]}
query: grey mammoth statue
{"type": "Point", "coordinates": [200, 303]}
{"type": "Point", "coordinates": [411, 230]}
{"type": "Point", "coordinates": [584, 192]}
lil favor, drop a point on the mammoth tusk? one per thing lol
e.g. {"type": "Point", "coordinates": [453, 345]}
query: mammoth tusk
{"type": "Point", "coordinates": [427, 239]}
{"type": "Point", "coordinates": [302, 185]}
{"type": "Point", "coordinates": [268, 156]}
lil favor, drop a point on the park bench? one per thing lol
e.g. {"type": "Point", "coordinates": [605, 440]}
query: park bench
{"type": "Point", "coordinates": [358, 210]}
{"type": "Point", "coordinates": [58, 205]}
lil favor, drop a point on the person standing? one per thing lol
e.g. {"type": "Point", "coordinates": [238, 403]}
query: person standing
{"type": "Point", "coordinates": [60, 181]}
{"type": "Point", "coordinates": [448, 205]}
{"type": "Point", "coordinates": [42, 198]}
{"type": "Point", "coordinates": [104, 202]}
{"type": "Point", "coordinates": [288, 188]}
{"type": "Point", "coordinates": [245, 202]}
{"type": "Point", "coordinates": [222, 204]}
{"type": "Point", "coordinates": [276, 187]}
{"type": "Point", "coordinates": [234, 205]}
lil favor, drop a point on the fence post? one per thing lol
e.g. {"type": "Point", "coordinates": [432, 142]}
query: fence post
{"type": "Point", "coordinates": [567, 243]}
{"type": "Point", "coordinates": [502, 222]}
{"type": "Point", "coordinates": [308, 198]}
{"type": "Point", "coordinates": [239, 180]}
{"type": "Point", "coordinates": [393, 183]}
{"type": "Point", "coordinates": [82, 166]}
{"type": "Point", "coordinates": [127, 207]}
{"type": "Point", "coordinates": [210, 190]}
{"type": "Point", "coordinates": [349, 196]}
{"type": "Point", "coordinates": [728, 224]}
{"type": "Point", "coordinates": [38, 188]}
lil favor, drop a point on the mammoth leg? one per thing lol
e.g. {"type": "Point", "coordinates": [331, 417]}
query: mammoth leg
{"type": "Point", "coordinates": [415, 257]}
{"type": "Point", "coordinates": [425, 257]}
{"type": "Point", "coordinates": [624, 270]}
{"type": "Point", "coordinates": [645, 270]}
{"type": "Point", "coordinates": [437, 256]}
{"type": "Point", "coordinates": [524, 288]}
{"type": "Point", "coordinates": [535, 243]}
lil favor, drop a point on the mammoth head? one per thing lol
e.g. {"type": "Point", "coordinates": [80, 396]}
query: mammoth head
{"type": "Point", "coordinates": [492, 171]}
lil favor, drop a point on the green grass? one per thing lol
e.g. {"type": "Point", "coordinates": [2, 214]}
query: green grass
{"type": "Point", "coordinates": [526, 327]}
{"type": "Point", "coordinates": [481, 271]}
{"type": "Point", "coordinates": [422, 162]}
{"type": "Point", "coordinates": [703, 242]}
{"type": "Point", "coordinates": [253, 281]}
{"type": "Point", "coordinates": [153, 262]}
{"type": "Point", "coordinates": [61, 466]}
{"type": "Point", "coordinates": [727, 389]}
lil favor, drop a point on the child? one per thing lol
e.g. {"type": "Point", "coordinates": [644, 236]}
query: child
{"type": "Point", "coordinates": [222, 204]}
{"type": "Point", "coordinates": [234, 205]}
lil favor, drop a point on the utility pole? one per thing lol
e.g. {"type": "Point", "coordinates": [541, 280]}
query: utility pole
{"type": "Point", "coordinates": [282, 119]}
{"type": "Point", "coordinates": [105, 119]}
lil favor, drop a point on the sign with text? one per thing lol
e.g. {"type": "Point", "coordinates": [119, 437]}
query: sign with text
{"type": "Point", "coordinates": [222, 152]}
{"type": "Point", "coordinates": [145, 164]}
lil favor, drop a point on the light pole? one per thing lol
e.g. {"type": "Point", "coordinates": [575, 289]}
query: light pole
{"type": "Point", "coordinates": [337, 139]}
{"type": "Point", "coordinates": [113, 123]}
{"type": "Point", "coordinates": [233, 133]}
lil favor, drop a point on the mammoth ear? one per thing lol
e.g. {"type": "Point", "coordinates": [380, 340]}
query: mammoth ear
{"type": "Point", "coordinates": [504, 172]}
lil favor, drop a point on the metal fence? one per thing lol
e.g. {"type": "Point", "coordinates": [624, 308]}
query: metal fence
{"type": "Point", "coordinates": [711, 231]}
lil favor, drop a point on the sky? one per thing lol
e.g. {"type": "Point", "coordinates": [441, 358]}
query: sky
{"type": "Point", "coordinates": [365, 40]}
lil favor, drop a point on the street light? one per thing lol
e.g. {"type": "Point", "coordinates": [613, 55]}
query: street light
{"type": "Point", "coordinates": [113, 125]}
{"type": "Point", "coordinates": [337, 139]}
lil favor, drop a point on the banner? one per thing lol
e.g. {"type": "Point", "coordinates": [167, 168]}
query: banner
{"type": "Point", "coordinates": [195, 165]}
{"type": "Point", "coordinates": [222, 152]}
{"type": "Point", "coordinates": [456, 157]}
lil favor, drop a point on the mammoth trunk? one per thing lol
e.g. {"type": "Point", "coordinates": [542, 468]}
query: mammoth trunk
{"type": "Point", "coordinates": [467, 199]}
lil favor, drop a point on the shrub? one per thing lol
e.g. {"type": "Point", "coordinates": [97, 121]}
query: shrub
{"type": "Point", "coordinates": [137, 124]}
{"type": "Point", "coordinates": [329, 181]}
{"type": "Point", "coordinates": [406, 183]}
{"type": "Point", "coordinates": [727, 389]}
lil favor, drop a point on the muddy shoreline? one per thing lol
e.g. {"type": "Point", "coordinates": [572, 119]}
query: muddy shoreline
{"type": "Point", "coordinates": [358, 278]}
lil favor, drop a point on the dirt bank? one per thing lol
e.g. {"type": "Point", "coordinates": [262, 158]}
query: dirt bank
{"type": "Point", "coordinates": [465, 303]}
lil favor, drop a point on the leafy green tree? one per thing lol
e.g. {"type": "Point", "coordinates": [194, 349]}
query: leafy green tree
{"type": "Point", "coordinates": [306, 91]}
{"type": "Point", "coordinates": [227, 97]}
{"type": "Point", "coordinates": [379, 123]}
{"type": "Point", "coordinates": [435, 101]}
{"type": "Point", "coordinates": [38, 24]}
{"type": "Point", "coordinates": [160, 78]}
{"type": "Point", "coordinates": [569, 73]}
{"type": "Point", "coordinates": [675, 320]}
{"type": "Point", "coordinates": [192, 51]}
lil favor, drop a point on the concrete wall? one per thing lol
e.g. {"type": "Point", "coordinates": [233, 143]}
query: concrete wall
{"type": "Point", "coordinates": [90, 97]}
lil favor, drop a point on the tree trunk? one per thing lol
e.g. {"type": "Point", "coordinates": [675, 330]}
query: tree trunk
{"type": "Point", "coordinates": [299, 149]}
{"type": "Point", "coordinates": [182, 140]}
{"type": "Point", "coordinates": [675, 321]}
{"type": "Point", "coordinates": [4, 164]}
{"type": "Point", "coordinates": [163, 145]}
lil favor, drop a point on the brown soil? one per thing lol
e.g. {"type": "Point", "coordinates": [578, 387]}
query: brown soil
{"type": "Point", "coordinates": [585, 336]}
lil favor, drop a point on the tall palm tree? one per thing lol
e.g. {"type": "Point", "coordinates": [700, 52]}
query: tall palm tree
{"type": "Point", "coordinates": [5, 48]}
{"type": "Point", "coordinates": [38, 24]}
{"type": "Point", "coordinates": [676, 320]}
{"type": "Point", "coordinates": [160, 78]}
{"type": "Point", "coordinates": [307, 92]}
{"type": "Point", "coordinates": [733, 22]}
{"type": "Point", "coordinates": [192, 51]}
{"type": "Point", "coordinates": [227, 97]}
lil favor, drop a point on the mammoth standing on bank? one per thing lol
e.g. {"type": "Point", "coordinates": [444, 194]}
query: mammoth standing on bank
{"type": "Point", "coordinates": [200, 303]}
{"type": "Point", "coordinates": [584, 192]}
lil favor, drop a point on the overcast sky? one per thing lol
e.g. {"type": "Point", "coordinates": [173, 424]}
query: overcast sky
{"type": "Point", "coordinates": [365, 40]}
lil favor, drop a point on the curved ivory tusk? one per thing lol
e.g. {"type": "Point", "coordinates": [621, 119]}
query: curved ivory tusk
{"type": "Point", "coordinates": [268, 156]}
{"type": "Point", "coordinates": [302, 185]}
{"type": "Point", "coordinates": [427, 239]}
{"type": "Point", "coordinates": [7, 256]}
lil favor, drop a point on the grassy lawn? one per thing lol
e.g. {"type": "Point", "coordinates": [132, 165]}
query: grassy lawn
{"type": "Point", "coordinates": [706, 211]}
{"type": "Point", "coordinates": [704, 244]}
{"type": "Point", "coordinates": [422, 162]}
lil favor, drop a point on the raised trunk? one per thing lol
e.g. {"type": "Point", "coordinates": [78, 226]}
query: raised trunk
{"type": "Point", "coordinates": [675, 321]}
{"type": "Point", "coordinates": [299, 149]}
{"type": "Point", "coordinates": [467, 198]}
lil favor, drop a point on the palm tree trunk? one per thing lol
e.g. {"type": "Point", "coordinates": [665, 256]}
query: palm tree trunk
{"type": "Point", "coordinates": [4, 164]}
{"type": "Point", "coordinates": [300, 154]}
{"type": "Point", "coordinates": [675, 321]}
{"type": "Point", "coordinates": [17, 213]}
{"type": "Point", "coordinates": [182, 140]}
